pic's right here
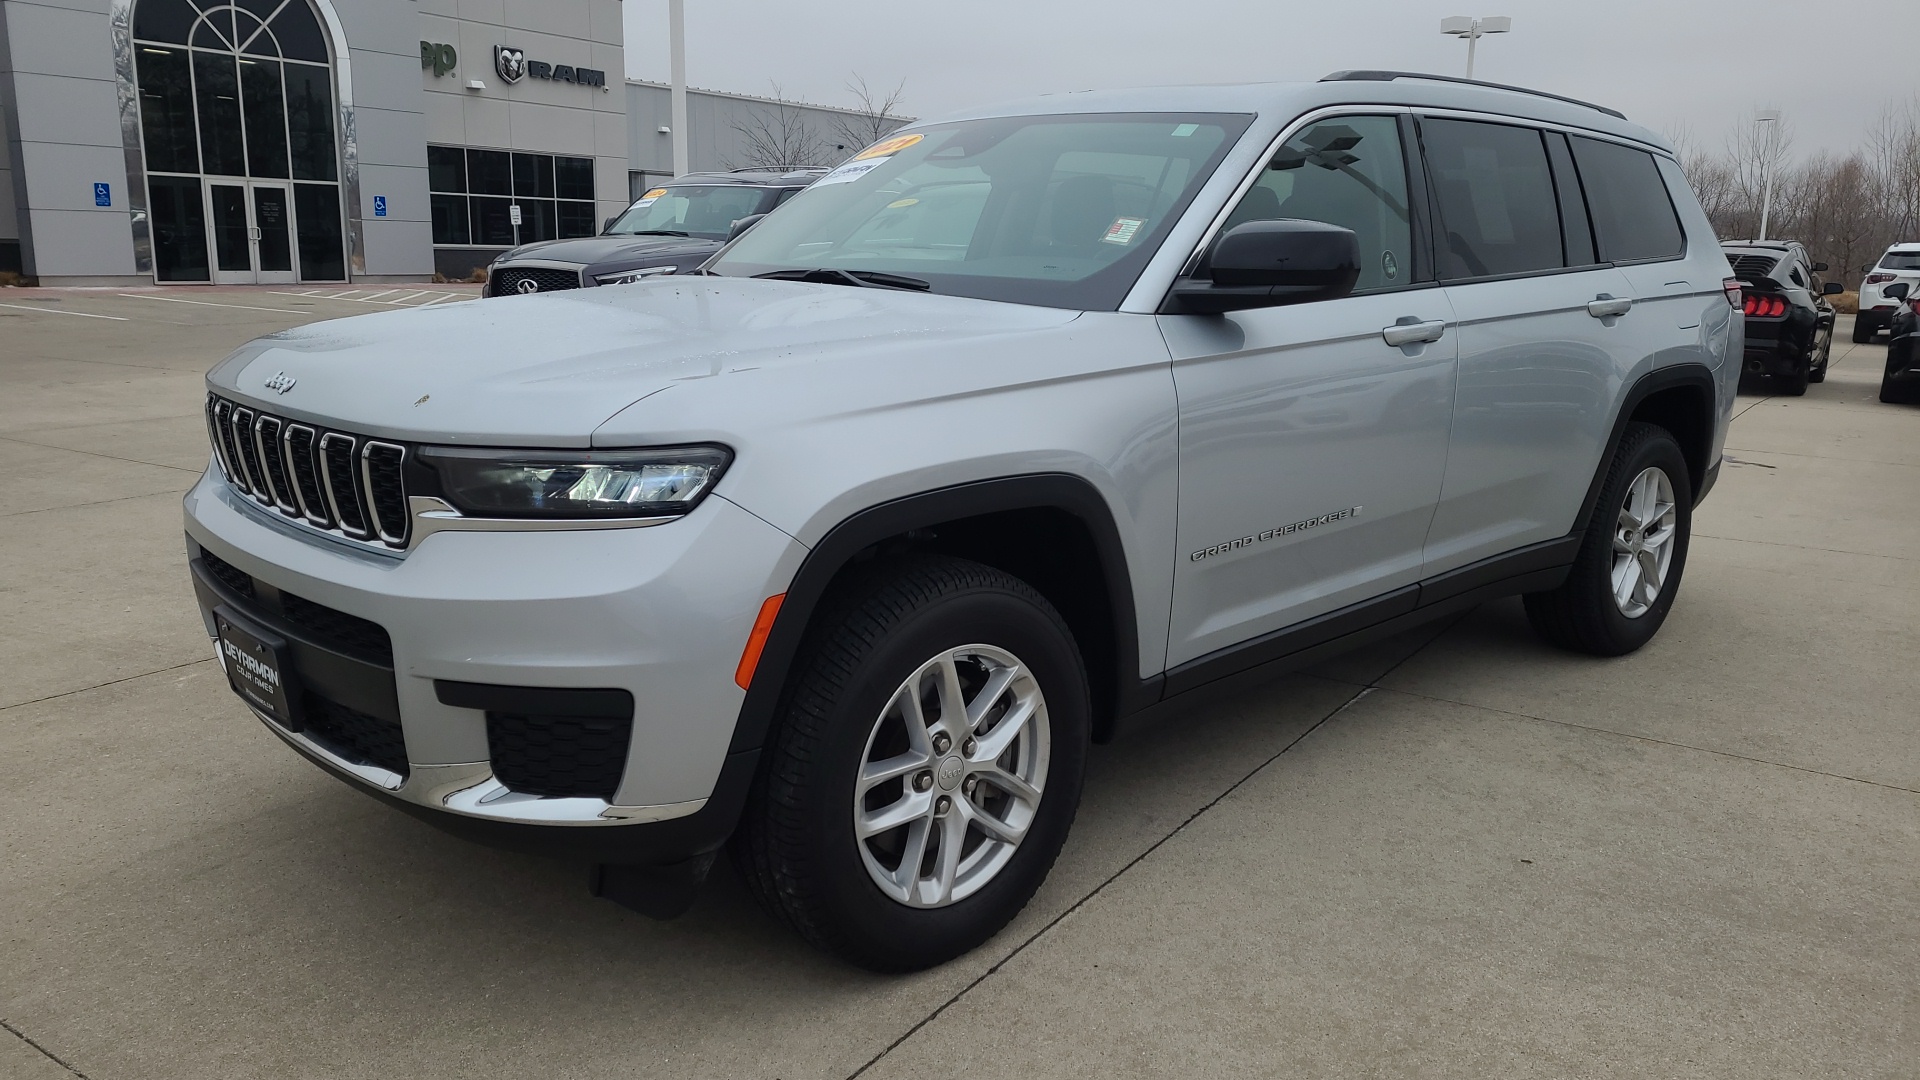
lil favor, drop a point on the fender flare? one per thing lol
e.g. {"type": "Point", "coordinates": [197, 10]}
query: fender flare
{"type": "Point", "coordinates": [1057, 491]}
{"type": "Point", "coordinates": [1665, 378]}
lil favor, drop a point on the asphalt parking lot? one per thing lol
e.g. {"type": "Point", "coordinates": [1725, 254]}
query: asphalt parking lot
{"type": "Point", "coordinates": [1458, 854]}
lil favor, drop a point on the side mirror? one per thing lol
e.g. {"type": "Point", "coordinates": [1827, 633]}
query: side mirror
{"type": "Point", "coordinates": [1896, 291]}
{"type": "Point", "coordinates": [608, 224]}
{"type": "Point", "coordinates": [1269, 263]}
{"type": "Point", "coordinates": [1819, 268]}
{"type": "Point", "coordinates": [1832, 288]}
{"type": "Point", "coordinates": [743, 224]}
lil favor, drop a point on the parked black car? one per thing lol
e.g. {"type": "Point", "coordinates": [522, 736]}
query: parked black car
{"type": "Point", "coordinates": [1901, 383]}
{"type": "Point", "coordinates": [1789, 321]}
{"type": "Point", "coordinates": [669, 230]}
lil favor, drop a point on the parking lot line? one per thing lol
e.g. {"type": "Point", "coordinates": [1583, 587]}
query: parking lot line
{"type": "Point", "coordinates": [209, 303]}
{"type": "Point", "coordinates": [57, 311]}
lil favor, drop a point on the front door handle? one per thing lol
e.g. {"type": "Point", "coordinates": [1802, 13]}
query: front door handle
{"type": "Point", "coordinates": [1412, 333]}
{"type": "Point", "coordinates": [1605, 305]}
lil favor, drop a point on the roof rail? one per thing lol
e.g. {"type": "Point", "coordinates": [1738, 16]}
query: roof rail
{"type": "Point", "coordinates": [1390, 76]}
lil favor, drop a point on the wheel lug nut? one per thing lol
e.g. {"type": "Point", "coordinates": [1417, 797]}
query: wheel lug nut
{"type": "Point", "coordinates": [969, 746]}
{"type": "Point", "coordinates": [923, 782]}
{"type": "Point", "coordinates": [945, 804]}
{"type": "Point", "coordinates": [969, 784]}
{"type": "Point", "coordinates": [942, 743]}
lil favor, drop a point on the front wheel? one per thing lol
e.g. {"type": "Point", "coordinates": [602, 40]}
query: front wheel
{"type": "Point", "coordinates": [926, 768]}
{"type": "Point", "coordinates": [1623, 581]}
{"type": "Point", "coordinates": [1822, 355]}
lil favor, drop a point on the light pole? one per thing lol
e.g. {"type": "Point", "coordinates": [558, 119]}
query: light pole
{"type": "Point", "coordinates": [1770, 117]}
{"type": "Point", "coordinates": [1473, 30]}
{"type": "Point", "coordinates": [677, 45]}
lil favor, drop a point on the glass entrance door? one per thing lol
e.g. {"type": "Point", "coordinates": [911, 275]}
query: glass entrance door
{"type": "Point", "coordinates": [252, 243]}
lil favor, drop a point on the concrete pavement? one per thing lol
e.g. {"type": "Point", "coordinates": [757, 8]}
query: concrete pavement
{"type": "Point", "coordinates": [1456, 854]}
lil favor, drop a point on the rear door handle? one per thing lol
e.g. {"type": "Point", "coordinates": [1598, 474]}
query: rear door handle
{"type": "Point", "coordinates": [1410, 333]}
{"type": "Point", "coordinates": [1604, 305]}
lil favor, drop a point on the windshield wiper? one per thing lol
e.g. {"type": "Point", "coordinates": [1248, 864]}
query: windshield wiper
{"type": "Point", "coordinates": [654, 232]}
{"type": "Point", "coordinates": [828, 275]}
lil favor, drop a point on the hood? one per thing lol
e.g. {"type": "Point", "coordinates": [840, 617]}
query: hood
{"type": "Point", "coordinates": [549, 368]}
{"type": "Point", "coordinates": [594, 250]}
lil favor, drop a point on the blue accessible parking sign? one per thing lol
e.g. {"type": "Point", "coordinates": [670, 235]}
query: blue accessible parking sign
{"type": "Point", "coordinates": [102, 195]}
{"type": "Point", "coordinates": [379, 206]}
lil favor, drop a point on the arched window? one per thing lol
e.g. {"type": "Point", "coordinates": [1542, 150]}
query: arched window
{"type": "Point", "coordinates": [233, 96]}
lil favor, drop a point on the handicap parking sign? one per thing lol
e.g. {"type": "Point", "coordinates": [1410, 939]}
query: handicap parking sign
{"type": "Point", "coordinates": [379, 206]}
{"type": "Point", "coordinates": [102, 195]}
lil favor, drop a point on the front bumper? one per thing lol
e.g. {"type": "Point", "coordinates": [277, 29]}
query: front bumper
{"type": "Point", "coordinates": [472, 631]}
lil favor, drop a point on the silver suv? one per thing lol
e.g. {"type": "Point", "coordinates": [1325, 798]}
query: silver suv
{"type": "Point", "coordinates": [1015, 425]}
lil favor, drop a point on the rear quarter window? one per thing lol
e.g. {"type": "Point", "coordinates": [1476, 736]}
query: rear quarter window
{"type": "Point", "coordinates": [1633, 216]}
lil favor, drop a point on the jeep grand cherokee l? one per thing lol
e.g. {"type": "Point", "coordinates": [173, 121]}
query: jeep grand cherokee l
{"type": "Point", "coordinates": [840, 553]}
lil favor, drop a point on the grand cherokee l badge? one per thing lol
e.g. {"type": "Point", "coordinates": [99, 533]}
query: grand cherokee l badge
{"type": "Point", "coordinates": [1275, 534]}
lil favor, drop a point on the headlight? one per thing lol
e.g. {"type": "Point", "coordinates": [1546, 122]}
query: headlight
{"type": "Point", "coordinates": [625, 277]}
{"type": "Point", "coordinates": [576, 483]}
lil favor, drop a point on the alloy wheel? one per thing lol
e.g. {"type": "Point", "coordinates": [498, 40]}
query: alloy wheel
{"type": "Point", "coordinates": [952, 776]}
{"type": "Point", "coordinates": [1643, 542]}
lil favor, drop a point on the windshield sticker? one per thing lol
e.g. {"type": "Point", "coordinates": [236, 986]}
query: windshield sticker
{"type": "Point", "coordinates": [1122, 230]}
{"type": "Point", "coordinates": [886, 148]}
{"type": "Point", "coordinates": [655, 193]}
{"type": "Point", "coordinates": [851, 171]}
{"type": "Point", "coordinates": [648, 201]}
{"type": "Point", "coordinates": [901, 204]}
{"type": "Point", "coordinates": [1185, 130]}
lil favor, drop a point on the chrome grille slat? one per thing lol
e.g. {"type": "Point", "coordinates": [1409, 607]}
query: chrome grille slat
{"type": "Point", "coordinates": [249, 455]}
{"type": "Point", "coordinates": [305, 472]}
{"type": "Point", "coordinates": [332, 481]}
{"type": "Point", "coordinates": [266, 440]}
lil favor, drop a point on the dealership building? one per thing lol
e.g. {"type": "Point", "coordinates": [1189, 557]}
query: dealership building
{"type": "Point", "coordinates": [290, 141]}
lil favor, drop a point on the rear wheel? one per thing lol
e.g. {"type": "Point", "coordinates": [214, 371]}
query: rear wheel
{"type": "Point", "coordinates": [1793, 383]}
{"type": "Point", "coordinates": [1623, 581]}
{"type": "Point", "coordinates": [926, 768]}
{"type": "Point", "coordinates": [1862, 329]}
{"type": "Point", "coordinates": [1821, 355]}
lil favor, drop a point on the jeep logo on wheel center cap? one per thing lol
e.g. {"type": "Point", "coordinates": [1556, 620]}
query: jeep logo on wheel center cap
{"type": "Point", "coordinates": [948, 774]}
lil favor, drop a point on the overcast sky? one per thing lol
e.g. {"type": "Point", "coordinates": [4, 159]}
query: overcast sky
{"type": "Point", "coordinates": [1679, 64]}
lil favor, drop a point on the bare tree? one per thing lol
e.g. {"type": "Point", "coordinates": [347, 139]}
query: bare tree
{"type": "Point", "coordinates": [778, 135]}
{"type": "Point", "coordinates": [872, 118]}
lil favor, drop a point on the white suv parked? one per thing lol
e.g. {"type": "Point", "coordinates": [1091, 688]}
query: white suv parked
{"type": "Point", "coordinates": [1016, 424]}
{"type": "Point", "coordinates": [1900, 263]}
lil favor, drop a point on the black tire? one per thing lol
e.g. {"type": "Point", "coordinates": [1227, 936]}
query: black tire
{"type": "Point", "coordinates": [1862, 330]}
{"type": "Point", "coordinates": [797, 847]}
{"type": "Point", "coordinates": [1582, 615]}
{"type": "Point", "coordinates": [1898, 393]}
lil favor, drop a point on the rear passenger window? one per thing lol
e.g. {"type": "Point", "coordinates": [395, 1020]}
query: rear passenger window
{"type": "Point", "coordinates": [1494, 199]}
{"type": "Point", "coordinates": [1633, 217]}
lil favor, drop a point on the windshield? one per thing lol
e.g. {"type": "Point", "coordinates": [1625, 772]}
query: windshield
{"type": "Point", "coordinates": [1900, 260]}
{"type": "Point", "coordinates": [705, 211]}
{"type": "Point", "coordinates": [1061, 211]}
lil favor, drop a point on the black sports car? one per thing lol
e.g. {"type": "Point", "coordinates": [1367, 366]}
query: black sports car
{"type": "Point", "coordinates": [669, 230]}
{"type": "Point", "coordinates": [1789, 321]}
{"type": "Point", "coordinates": [1901, 383]}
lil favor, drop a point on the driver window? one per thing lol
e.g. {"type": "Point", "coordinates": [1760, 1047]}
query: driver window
{"type": "Point", "coordinates": [1346, 171]}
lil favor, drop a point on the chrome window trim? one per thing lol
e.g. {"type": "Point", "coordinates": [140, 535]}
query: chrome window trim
{"type": "Point", "coordinates": [326, 483]}
{"type": "Point", "coordinates": [399, 539]}
{"type": "Point", "coordinates": [260, 444]}
{"type": "Point", "coordinates": [320, 520]}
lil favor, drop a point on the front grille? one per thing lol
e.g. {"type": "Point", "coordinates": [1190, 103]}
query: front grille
{"type": "Point", "coordinates": [350, 634]}
{"type": "Point", "coordinates": [559, 756]}
{"type": "Point", "coordinates": [510, 280]}
{"type": "Point", "coordinates": [1753, 266]}
{"type": "Point", "coordinates": [354, 735]}
{"type": "Point", "coordinates": [334, 481]}
{"type": "Point", "coordinates": [234, 578]}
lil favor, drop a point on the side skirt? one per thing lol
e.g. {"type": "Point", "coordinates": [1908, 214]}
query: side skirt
{"type": "Point", "coordinates": [1535, 568]}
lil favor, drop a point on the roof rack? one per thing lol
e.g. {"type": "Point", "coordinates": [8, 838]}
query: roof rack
{"type": "Point", "coordinates": [1390, 76]}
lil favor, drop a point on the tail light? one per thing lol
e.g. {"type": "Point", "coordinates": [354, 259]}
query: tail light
{"type": "Point", "coordinates": [1875, 279]}
{"type": "Point", "coordinates": [1732, 286]}
{"type": "Point", "coordinates": [1764, 307]}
